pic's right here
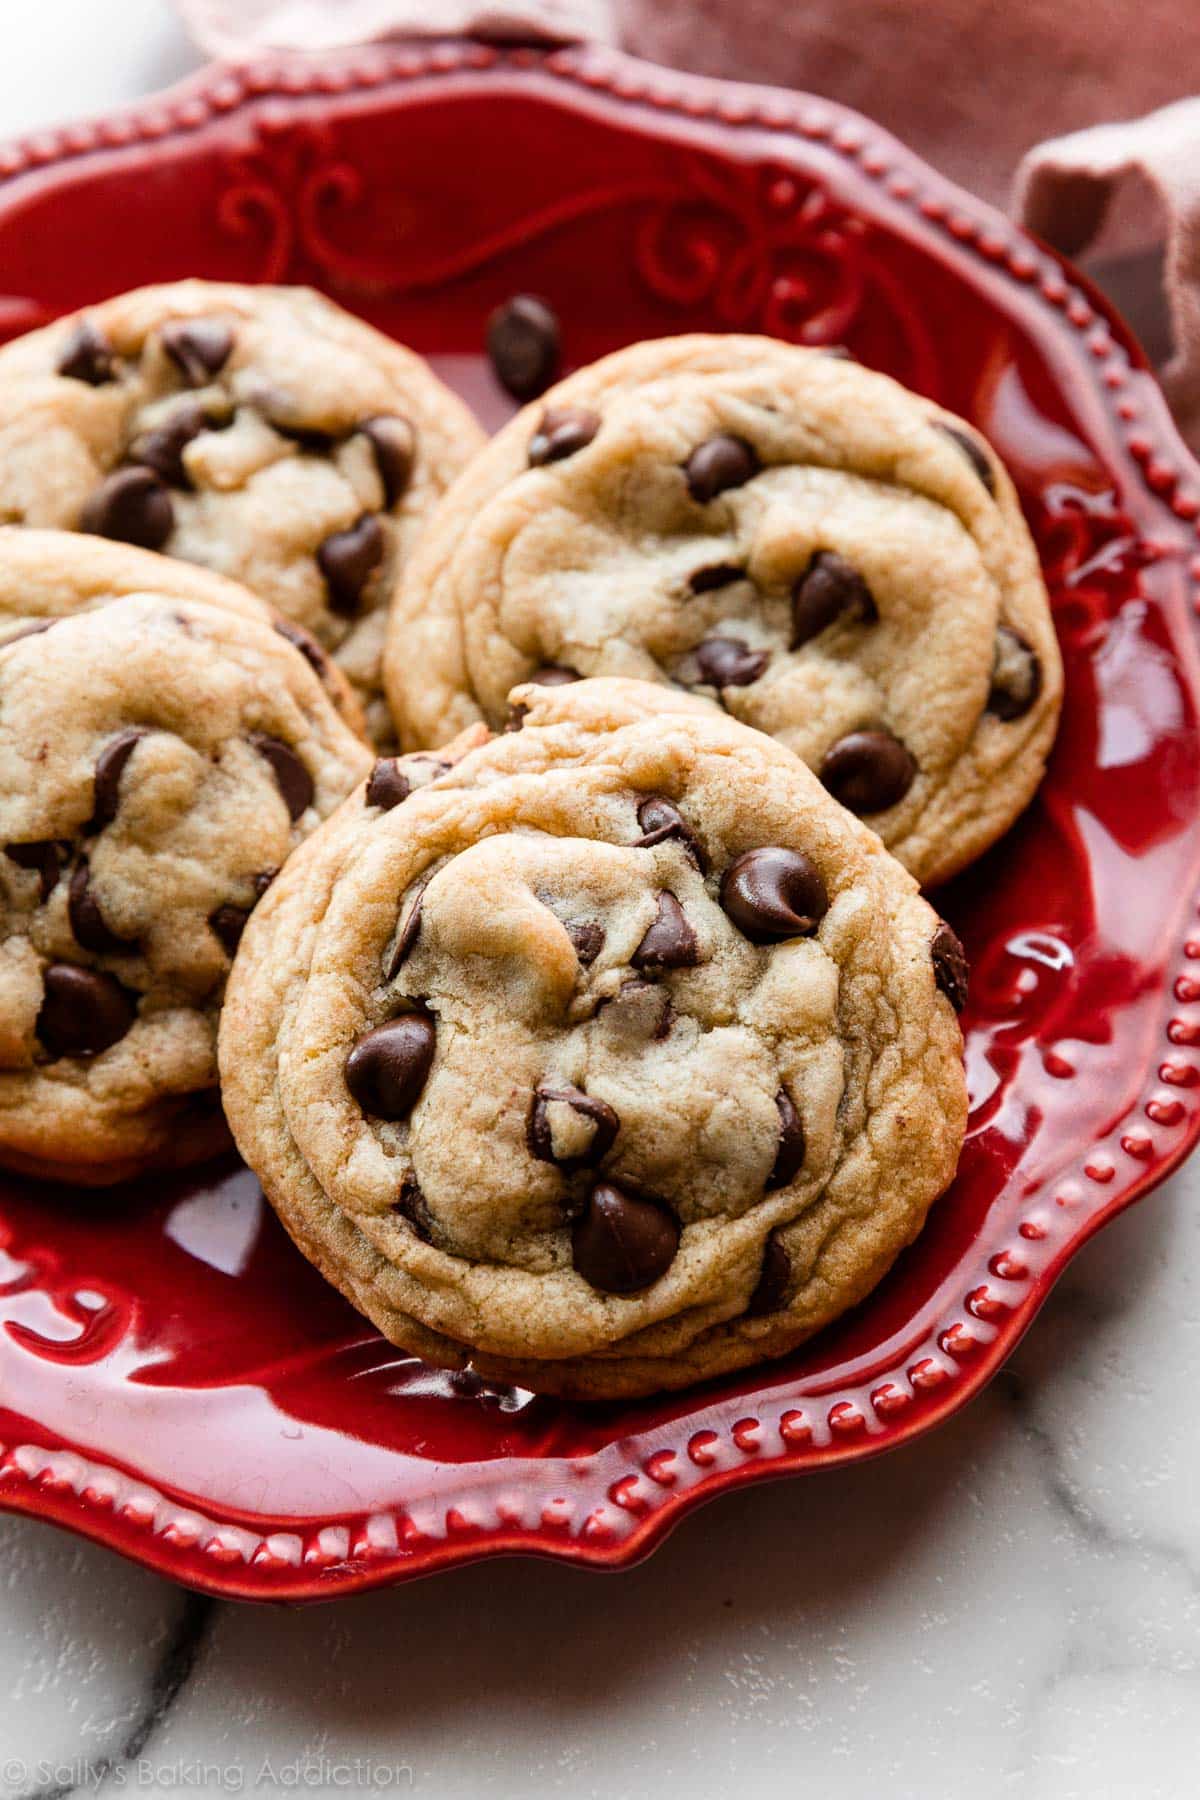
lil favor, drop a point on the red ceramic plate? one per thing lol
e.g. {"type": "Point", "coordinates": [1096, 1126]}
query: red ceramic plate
{"type": "Point", "coordinates": [174, 1380]}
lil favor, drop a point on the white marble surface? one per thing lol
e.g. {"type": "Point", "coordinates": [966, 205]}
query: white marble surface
{"type": "Point", "coordinates": [1008, 1608]}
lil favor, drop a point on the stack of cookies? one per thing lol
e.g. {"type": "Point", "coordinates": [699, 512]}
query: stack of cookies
{"type": "Point", "coordinates": [535, 828]}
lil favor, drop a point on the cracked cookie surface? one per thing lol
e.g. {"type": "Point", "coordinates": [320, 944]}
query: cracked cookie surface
{"type": "Point", "coordinates": [160, 757]}
{"type": "Point", "coordinates": [800, 540]}
{"type": "Point", "coordinates": [603, 1055]}
{"type": "Point", "coordinates": [260, 432]}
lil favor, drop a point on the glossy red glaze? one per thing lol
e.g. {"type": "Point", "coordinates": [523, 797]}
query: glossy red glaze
{"type": "Point", "coordinates": [176, 1381]}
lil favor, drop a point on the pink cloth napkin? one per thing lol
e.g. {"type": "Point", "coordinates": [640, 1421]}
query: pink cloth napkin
{"type": "Point", "coordinates": [977, 88]}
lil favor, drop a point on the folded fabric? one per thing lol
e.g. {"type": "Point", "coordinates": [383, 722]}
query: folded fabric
{"type": "Point", "coordinates": [1124, 186]}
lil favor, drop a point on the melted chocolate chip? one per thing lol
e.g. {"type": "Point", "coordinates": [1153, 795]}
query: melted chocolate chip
{"type": "Point", "coordinates": [304, 641]}
{"type": "Point", "coordinates": [555, 675]}
{"type": "Point", "coordinates": [389, 1065]}
{"type": "Point", "coordinates": [868, 771]}
{"type": "Point", "coordinates": [162, 448]}
{"type": "Point", "coordinates": [1016, 675]}
{"type": "Point", "coordinates": [348, 558]}
{"type": "Point", "coordinates": [228, 923]}
{"type": "Point", "coordinates": [517, 715]}
{"type": "Point", "coordinates": [973, 450]}
{"type": "Point", "coordinates": [562, 431]}
{"type": "Point", "coordinates": [715, 575]}
{"type": "Point", "coordinates": [729, 662]}
{"type": "Point", "coordinates": [106, 782]}
{"type": "Point", "coordinates": [789, 1157]}
{"type": "Point", "coordinates": [670, 942]}
{"type": "Point", "coordinates": [131, 506]}
{"type": "Point", "coordinates": [640, 1008]}
{"type": "Point", "coordinates": [83, 1011]}
{"type": "Point", "coordinates": [951, 970]}
{"type": "Point", "coordinates": [394, 443]}
{"type": "Point", "coordinates": [830, 588]}
{"type": "Point", "coordinates": [46, 857]}
{"type": "Point", "coordinates": [523, 342]}
{"type": "Point", "coordinates": [773, 1281]}
{"type": "Point", "coordinates": [410, 931]}
{"type": "Point", "coordinates": [412, 1206]}
{"type": "Point", "coordinates": [539, 1129]}
{"type": "Point", "coordinates": [388, 784]}
{"type": "Point", "coordinates": [87, 356]}
{"type": "Point", "coordinates": [623, 1242]}
{"type": "Point", "coordinates": [308, 438]}
{"type": "Point", "coordinates": [661, 819]}
{"type": "Point", "coordinates": [773, 893]}
{"type": "Point", "coordinates": [199, 348]}
{"type": "Point", "coordinates": [292, 778]}
{"type": "Point", "coordinates": [88, 924]}
{"type": "Point", "coordinates": [719, 463]}
{"type": "Point", "coordinates": [587, 935]}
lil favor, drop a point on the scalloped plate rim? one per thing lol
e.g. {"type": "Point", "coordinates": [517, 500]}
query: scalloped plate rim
{"type": "Point", "coordinates": [219, 92]}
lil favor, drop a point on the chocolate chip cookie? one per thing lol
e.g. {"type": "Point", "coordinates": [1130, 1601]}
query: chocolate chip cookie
{"type": "Point", "coordinates": [799, 540]}
{"type": "Point", "coordinates": [602, 1056]}
{"type": "Point", "coordinates": [261, 432]}
{"type": "Point", "coordinates": [160, 757]}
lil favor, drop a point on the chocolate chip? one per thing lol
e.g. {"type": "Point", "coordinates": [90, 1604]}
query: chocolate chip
{"type": "Point", "coordinates": [308, 438]}
{"type": "Point", "coordinates": [773, 893]}
{"type": "Point", "coordinates": [661, 819]}
{"type": "Point", "coordinates": [974, 452]}
{"type": "Point", "coordinates": [1016, 675]}
{"type": "Point", "coordinates": [45, 857]}
{"type": "Point", "coordinates": [830, 588]}
{"type": "Point", "coordinates": [88, 924]}
{"type": "Point", "coordinates": [394, 442]}
{"type": "Point", "coordinates": [523, 342]}
{"type": "Point", "coordinates": [304, 641]}
{"type": "Point", "coordinates": [199, 348]}
{"type": "Point", "coordinates": [729, 662]}
{"type": "Point", "coordinates": [87, 356]}
{"type": "Point", "coordinates": [162, 448]}
{"type": "Point", "coordinates": [789, 1157]}
{"type": "Point", "coordinates": [587, 935]}
{"type": "Point", "coordinates": [639, 1009]}
{"type": "Point", "coordinates": [715, 575]}
{"type": "Point", "coordinates": [293, 779]}
{"type": "Point", "coordinates": [719, 463]}
{"type": "Point", "coordinates": [413, 1206]}
{"type": "Point", "coordinates": [388, 784]}
{"type": "Point", "coordinates": [555, 675]}
{"type": "Point", "coordinates": [106, 782]}
{"type": "Point", "coordinates": [773, 1281]}
{"type": "Point", "coordinates": [517, 715]}
{"type": "Point", "coordinates": [539, 1129]}
{"type": "Point", "coordinates": [388, 1066]}
{"type": "Point", "coordinates": [346, 560]}
{"type": "Point", "coordinates": [228, 923]}
{"type": "Point", "coordinates": [410, 931]}
{"type": "Point", "coordinates": [951, 970]}
{"type": "Point", "coordinates": [670, 942]}
{"type": "Point", "coordinates": [623, 1242]}
{"type": "Point", "coordinates": [868, 771]}
{"type": "Point", "coordinates": [561, 432]}
{"type": "Point", "coordinates": [131, 505]}
{"type": "Point", "coordinates": [83, 1012]}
